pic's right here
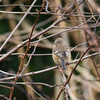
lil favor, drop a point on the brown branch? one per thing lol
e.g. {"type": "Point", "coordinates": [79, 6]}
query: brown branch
{"type": "Point", "coordinates": [22, 61]}
{"type": "Point", "coordinates": [95, 65]}
{"type": "Point", "coordinates": [30, 56]}
{"type": "Point", "coordinates": [72, 72]}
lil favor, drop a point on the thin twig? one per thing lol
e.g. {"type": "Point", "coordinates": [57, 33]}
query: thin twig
{"type": "Point", "coordinates": [36, 92]}
{"type": "Point", "coordinates": [4, 97]}
{"type": "Point", "coordinates": [5, 87]}
{"type": "Point", "coordinates": [22, 61]}
{"type": "Point", "coordinates": [34, 83]}
{"type": "Point", "coordinates": [6, 73]}
{"type": "Point", "coordinates": [48, 69]}
{"type": "Point", "coordinates": [30, 56]}
{"type": "Point", "coordinates": [24, 42]}
{"type": "Point", "coordinates": [18, 25]}
{"type": "Point", "coordinates": [30, 73]}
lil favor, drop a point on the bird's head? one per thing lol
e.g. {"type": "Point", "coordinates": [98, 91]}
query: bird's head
{"type": "Point", "coordinates": [59, 41]}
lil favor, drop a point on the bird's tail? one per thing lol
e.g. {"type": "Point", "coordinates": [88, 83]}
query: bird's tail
{"type": "Point", "coordinates": [63, 64]}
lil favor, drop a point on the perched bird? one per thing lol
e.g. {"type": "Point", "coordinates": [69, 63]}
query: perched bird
{"type": "Point", "coordinates": [61, 53]}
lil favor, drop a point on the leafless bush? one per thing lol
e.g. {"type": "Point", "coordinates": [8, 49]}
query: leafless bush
{"type": "Point", "coordinates": [77, 22]}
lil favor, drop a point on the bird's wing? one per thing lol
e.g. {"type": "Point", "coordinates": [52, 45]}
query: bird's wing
{"type": "Point", "coordinates": [66, 54]}
{"type": "Point", "coordinates": [59, 54]}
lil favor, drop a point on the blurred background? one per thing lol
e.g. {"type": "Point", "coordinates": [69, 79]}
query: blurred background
{"type": "Point", "coordinates": [83, 84]}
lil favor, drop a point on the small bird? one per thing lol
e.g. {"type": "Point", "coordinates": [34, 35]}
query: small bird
{"type": "Point", "coordinates": [61, 53]}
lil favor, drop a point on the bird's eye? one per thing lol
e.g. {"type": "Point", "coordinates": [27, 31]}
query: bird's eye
{"type": "Point", "coordinates": [58, 41]}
